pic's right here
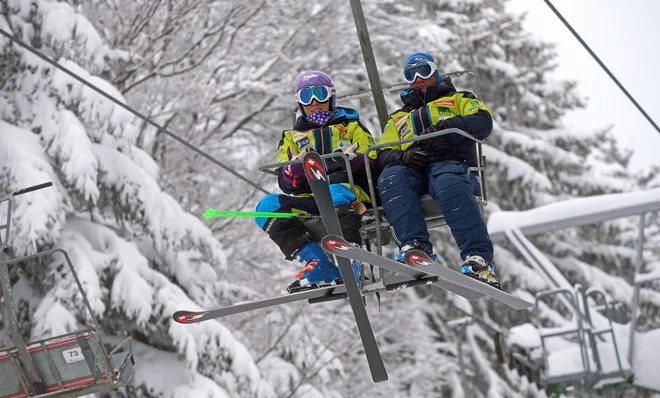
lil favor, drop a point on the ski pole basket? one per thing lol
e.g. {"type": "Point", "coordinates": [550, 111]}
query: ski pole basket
{"type": "Point", "coordinates": [69, 365]}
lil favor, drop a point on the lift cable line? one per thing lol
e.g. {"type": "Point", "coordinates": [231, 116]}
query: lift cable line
{"type": "Point", "coordinates": [131, 110]}
{"type": "Point", "coordinates": [602, 65]}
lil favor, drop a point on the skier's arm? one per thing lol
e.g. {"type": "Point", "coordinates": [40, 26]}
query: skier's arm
{"type": "Point", "coordinates": [286, 152]}
{"type": "Point", "coordinates": [475, 119]}
{"type": "Point", "coordinates": [364, 140]}
{"type": "Point", "coordinates": [389, 154]}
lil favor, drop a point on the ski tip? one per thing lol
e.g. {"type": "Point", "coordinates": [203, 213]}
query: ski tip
{"type": "Point", "coordinates": [418, 257]}
{"type": "Point", "coordinates": [313, 165]}
{"type": "Point", "coordinates": [186, 317]}
{"type": "Point", "coordinates": [335, 243]}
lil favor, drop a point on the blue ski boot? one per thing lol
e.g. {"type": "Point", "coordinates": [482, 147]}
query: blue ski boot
{"type": "Point", "coordinates": [478, 268]}
{"type": "Point", "coordinates": [319, 271]}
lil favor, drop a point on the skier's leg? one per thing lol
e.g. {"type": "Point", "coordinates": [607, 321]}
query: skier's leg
{"type": "Point", "coordinates": [400, 188]}
{"type": "Point", "coordinates": [452, 189]}
{"type": "Point", "coordinates": [289, 234]}
{"type": "Point", "coordinates": [454, 192]}
{"type": "Point", "coordinates": [296, 241]}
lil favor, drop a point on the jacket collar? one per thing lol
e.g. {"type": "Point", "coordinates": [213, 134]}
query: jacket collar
{"type": "Point", "coordinates": [414, 98]}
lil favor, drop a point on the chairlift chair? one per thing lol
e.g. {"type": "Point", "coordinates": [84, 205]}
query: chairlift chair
{"type": "Point", "coordinates": [69, 365]}
{"type": "Point", "coordinates": [375, 227]}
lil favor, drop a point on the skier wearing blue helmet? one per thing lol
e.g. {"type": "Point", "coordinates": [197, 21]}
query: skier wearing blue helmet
{"type": "Point", "coordinates": [437, 166]}
{"type": "Point", "coordinates": [325, 128]}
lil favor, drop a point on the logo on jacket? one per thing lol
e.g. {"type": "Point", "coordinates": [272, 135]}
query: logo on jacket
{"type": "Point", "coordinates": [297, 136]}
{"type": "Point", "coordinates": [303, 143]}
{"type": "Point", "coordinates": [343, 130]}
{"type": "Point", "coordinates": [445, 103]}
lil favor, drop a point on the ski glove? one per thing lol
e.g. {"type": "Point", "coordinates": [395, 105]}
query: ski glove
{"type": "Point", "coordinates": [415, 159]}
{"type": "Point", "coordinates": [356, 159]}
{"type": "Point", "coordinates": [432, 143]}
{"type": "Point", "coordinates": [294, 173]}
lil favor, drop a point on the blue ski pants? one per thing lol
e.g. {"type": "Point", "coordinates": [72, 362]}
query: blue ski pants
{"type": "Point", "coordinates": [448, 183]}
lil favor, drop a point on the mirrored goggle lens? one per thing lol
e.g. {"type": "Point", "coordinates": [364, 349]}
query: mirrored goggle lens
{"type": "Point", "coordinates": [423, 70]}
{"type": "Point", "coordinates": [307, 94]}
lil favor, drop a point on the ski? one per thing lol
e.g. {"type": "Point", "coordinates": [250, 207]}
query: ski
{"type": "Point", "coordinates": [318, 182]}
{"type": "Point", "coordinates": [313, 296]}
{"type": "Point", "coordinates": [201, 316]}
{"type": "Point", "coordinates": [338, 246]}
{"type": "Point", "coordinates": [470, 294]}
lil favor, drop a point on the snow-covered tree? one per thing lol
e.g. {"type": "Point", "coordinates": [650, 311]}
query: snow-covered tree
{"type": "Point", "coordinates": [139, 255]}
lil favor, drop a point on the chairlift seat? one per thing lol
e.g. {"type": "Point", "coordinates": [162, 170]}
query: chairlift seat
{"type": "Point", "coordinates": [64, 369]}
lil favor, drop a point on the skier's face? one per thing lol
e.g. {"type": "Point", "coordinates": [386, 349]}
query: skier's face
{"type": "Point", "coordinates": [422, 84]}
{"type": "Point", "coordinates": [316, 106]}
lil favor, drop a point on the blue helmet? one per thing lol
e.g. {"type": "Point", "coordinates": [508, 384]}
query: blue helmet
{"type": "Point", "coordinates": [421, 57]}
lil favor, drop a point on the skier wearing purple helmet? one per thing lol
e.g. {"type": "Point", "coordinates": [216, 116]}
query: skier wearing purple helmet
{"type": "Point", "coordinates": [325, 128]}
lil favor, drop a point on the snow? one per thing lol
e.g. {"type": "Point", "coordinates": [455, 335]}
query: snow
{"type": "Point", "coordinates": [647, 277]}
{"type": "Point", "coordinates": [517, 169]}
{"type": "Point", "coordinates": [645, 360]}
{"type": "Point", "coordinates": [37, 217]}
{"type": "Point", "coordinates": [163, 374]}
{"type": "Point", "coordinates": [53, 319]}
{"type": "Point", "coordinates": [525, 335]}
{"type": "Point", "coordinates": [572, 209]}
{"type": "Point", "coordinates": [569, 361]}
{"type": "Point", "coordinates": [530, 142]}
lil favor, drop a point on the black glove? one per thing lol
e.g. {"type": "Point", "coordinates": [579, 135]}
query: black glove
{"type": "Point", "coordinates": [415, 159]}
{"type": "Point", "coordinates": [431, 144]}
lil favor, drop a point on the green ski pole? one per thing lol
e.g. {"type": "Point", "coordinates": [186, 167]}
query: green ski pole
{"type": "Point", "coordinates": [251, 214]}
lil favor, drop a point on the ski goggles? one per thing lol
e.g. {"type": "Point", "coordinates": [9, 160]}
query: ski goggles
{"type": "Point", "coordinates": [424, 69]}
{"type": "Point", "coordinates": [319, 93]}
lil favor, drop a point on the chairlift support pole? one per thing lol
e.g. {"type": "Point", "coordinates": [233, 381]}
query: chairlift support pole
{"type": "Point", "coordinates": [460, 325]}
{"type": "Point", "coordinates": [636, 288]}
{"type": "Point", "coordinates": [370, 62]}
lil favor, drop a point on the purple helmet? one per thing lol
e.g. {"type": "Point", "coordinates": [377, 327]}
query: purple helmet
{"type": "Point", "coordinates": [315, 78]}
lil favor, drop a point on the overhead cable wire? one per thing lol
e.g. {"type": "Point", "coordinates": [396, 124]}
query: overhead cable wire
{"type": "Point", "coordinates": [602, 65]}
{"type": "Point", "coordinates": [131, 110]}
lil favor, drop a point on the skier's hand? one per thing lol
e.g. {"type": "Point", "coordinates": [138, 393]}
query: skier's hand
{"type": "Point", "coordinates": [294, 173]}
{"type": "Point", "coordinates": [415, 159]}
{"type": "Point", "coordinates": [356, 158]}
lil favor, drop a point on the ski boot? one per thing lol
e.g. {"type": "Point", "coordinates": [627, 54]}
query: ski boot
{"type": "Point", "coordinates": [478, 268]}
{"type": "Point", "coordinates": [319, 271]}
{"type": "Point", "coordinates": [414, 246]}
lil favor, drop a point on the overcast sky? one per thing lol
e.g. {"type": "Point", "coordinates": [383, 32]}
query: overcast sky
{"type": "Point", "coordinates": [626, 37]}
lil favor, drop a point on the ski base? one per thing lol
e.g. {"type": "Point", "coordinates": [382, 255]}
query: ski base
{"type": "Point", "coordinates": [318, 182]}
